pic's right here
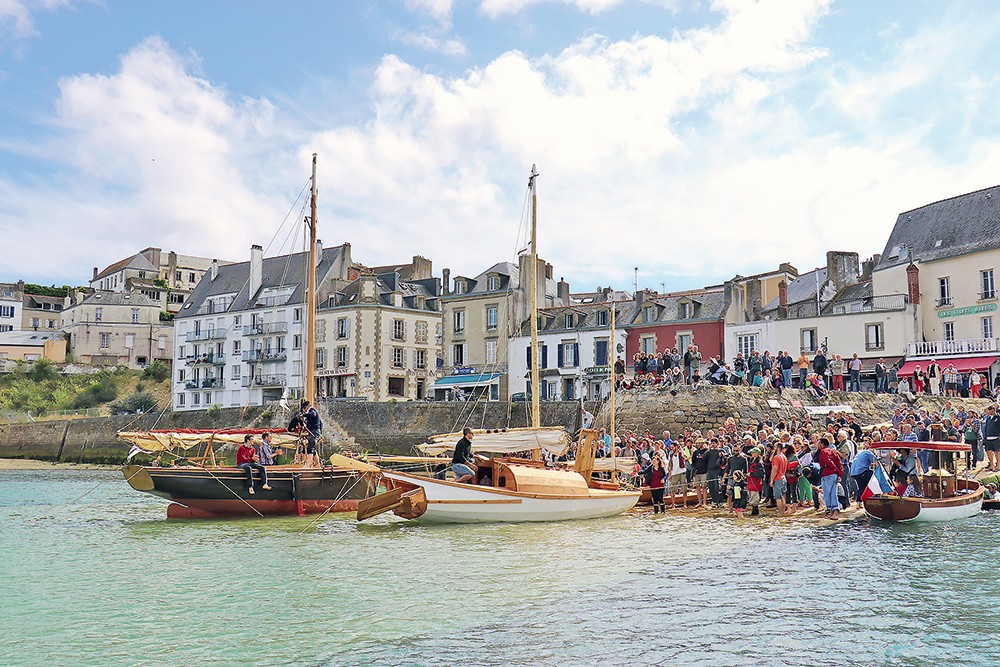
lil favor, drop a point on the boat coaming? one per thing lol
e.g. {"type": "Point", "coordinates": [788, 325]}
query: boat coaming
{"type": "Point", "coordinates": [451, 502]}
{"type": "Point", "coordinates": [924, 510]}
{"type": "Point", "coordinates": [222, 492]}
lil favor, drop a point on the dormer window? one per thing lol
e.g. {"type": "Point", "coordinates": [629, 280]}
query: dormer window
{"type": "Point", "coordinates": [684, 311]}
{"type": "Point", "coordinates": [461, 287]}
{"type": "Point", "coordinates": [602, 318]}
{"type": "Point", "coordinates": [569, 321]}
{"type": "Point", "coordinates": [649, 313]}
{"type": "Point", "coordinates": [493, 283]}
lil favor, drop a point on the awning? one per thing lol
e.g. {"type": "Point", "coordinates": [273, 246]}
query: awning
{"type": "Point", "coordinates": [546, 373]}
{"type": "Point", "coordinates": [962, 364]}
{"type": "Point", "coordinates": [868, 363]}
{"type": "Point", "coordinates": [470, 380]}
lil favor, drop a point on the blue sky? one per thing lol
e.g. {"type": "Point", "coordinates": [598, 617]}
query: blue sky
{"type": "Point", "coordinates": [694, 140]}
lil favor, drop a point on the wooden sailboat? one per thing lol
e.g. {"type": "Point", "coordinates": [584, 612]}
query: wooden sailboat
{"type": "Point", "coordinates": [946, 497]}
{"type": "Point", "coordinates": [510, 489]}
{"type": "Point", "coordinates": [201, 488]}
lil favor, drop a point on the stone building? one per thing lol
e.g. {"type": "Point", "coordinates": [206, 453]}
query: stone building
{"type": "Point", "coordinates": [381, 334]}
{"type": "Point", "coordinates": [41, 313]}
{"type": "Point", "coordinates": [113, 328]}
{"type": "Point", "coordinates": [665, 321]}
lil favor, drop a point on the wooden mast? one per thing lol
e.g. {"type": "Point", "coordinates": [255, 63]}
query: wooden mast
{"type": "Point", "coordinates": [309, 317]}
{"type": "Point", "coordinates": [533, 285]}
{"type": "Point", "coordinates": [613, 359]}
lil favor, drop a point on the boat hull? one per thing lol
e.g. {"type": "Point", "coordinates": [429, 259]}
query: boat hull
{"type": "Point", "coordinates": [450, 502]}
{"type": "Point", "coordinates": [924, 510]}
{"type": "Point", "coordinates": [198, 493]}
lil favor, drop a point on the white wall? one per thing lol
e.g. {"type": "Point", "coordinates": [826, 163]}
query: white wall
{"type": "Point", "coordinates": [517, 359]}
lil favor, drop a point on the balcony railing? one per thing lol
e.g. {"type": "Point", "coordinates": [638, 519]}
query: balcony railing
{"type": "Point", "coordinates": [944, 301]}
{"type": "Point", "coordinates": [265, 328]}
{"type": "Point", "coordinates": [262, 356]}
{"type": "Point", "coordinates": [208, 359]}
{"type": "Point", "coordinates": [264, 381]}
{"type": "Point", "coordinates": [871, 347]}
{"type": "Point", "coordinates": [944, 348]}
{"type": "Point", "coordinates": [213, 307]}
{"type": "Point", "coordinates": [208, 334]}
{"type": "Point", "coordinates": [207, 383]}
{"type": "Point", "coordinates": [988, 295]}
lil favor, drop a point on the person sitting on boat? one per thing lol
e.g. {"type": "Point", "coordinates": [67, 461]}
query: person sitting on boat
{"type": "Point", "coordinates": [266, 453]}
{"type": "Point", "coordinates": [991, 492]}
{"type": "Point", "coordinates": [462, 463]}
{"type": "Point", "coordinates": [248, 459]}
{"type": "Point", "coordinates": [914, 489]}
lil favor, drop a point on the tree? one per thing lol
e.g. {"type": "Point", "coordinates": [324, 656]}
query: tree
{"type": "Point", "coordinates": [140, 401]}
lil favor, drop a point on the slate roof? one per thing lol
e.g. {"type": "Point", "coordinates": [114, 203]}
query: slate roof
{"type": "Point", "coordinates": [711, 306]}
{"type": "Point", "coordinates": [957, 226]}
{"type": "Point", "coordinates": [137, 261]}
{"type": "Point", "coordinates": [279, 271]}
{"type": "Point", "coordinates": [800, 289]}
{"type": "Point", "coordinates": [38, 301]}
{"type": "Point", "coordinates": [509, 280]}
{"type": "Point", "coordinates": [29, 338]}
{"type": "Point", "coordinates": [104, 298]}
{"type": "Point", "coordinates": [585, 317]}
{"type": "Point", "coordinates": [386, 285]}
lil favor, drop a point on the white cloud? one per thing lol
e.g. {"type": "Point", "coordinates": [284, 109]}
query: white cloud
{"type": "Point", "coordinates": [17, 16]}
{"type": "Point", "coordinates": [497, 8]}
{"type": "Point", "coordinates": [427, 40]}
{"type": "Point", "coordinates": [439, 10]}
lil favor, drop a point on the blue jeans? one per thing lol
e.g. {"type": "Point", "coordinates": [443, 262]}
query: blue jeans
{"type": "Point", "coordinates": [925, 459]}
{"type": "Point", "coordinates": [829, 484]}
{"type": "Point", "coordinates": [461, 470]}
{"type": "Point", "coordinates": [802, 378]}
{"type": "Point", "coordinates": [250, 467]}
{"type": "Point", "coordinates": [855, 381]}
{"type": "Point", "coordinates": [786, 376]}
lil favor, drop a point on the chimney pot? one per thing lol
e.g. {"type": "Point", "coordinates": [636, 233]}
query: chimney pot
{"type": "Point", "coordinates": [913, 283]}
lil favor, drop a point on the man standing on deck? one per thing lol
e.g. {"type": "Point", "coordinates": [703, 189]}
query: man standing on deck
{"type": "Point", "coordinates": [462, 463]}
{"type": "Point", "coordinates": [991, 438]}
{"type": "Point", "coordinates": [247, 459]}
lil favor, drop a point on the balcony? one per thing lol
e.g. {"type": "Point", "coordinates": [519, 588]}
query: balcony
{"type": "Point", "coordinates": [943, 302]}
{"type": "Point", "coordinates": [208, 359]}
{"type": "Point", "coordinates": [945, 348]}
{"type": "Point", "coordinates": [263, 381]}
{"type": "Point", "coordinates": [208, 334]}
{"type": "Point", "coordinates": [207, 383]}
{"type": "Point", "coordinates": [987, 296]}
{"type": "Point", "coordinates": [264, 356]}
{"type": "Point", "coordinates": [265, 329]}
{"type": "Point", "coordinates": [214, 307]}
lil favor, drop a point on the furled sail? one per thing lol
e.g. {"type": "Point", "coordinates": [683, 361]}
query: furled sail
{"type": "Point", "coordinates": [164, 441]}
{"type": "Point", "coordinates": [503, 441]}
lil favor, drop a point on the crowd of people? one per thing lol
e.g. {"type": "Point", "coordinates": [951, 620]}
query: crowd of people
{"type": "Point", "coordinates": [798, 464]}
{"type": "Point", "coordinates": [817, 374]}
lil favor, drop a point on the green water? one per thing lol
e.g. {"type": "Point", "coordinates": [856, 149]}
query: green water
{"type": "Point", "coordinates": [107, 581]}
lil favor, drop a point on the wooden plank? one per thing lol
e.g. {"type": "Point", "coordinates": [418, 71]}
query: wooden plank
{"type": "Point", "coordinates": [384, 502]}
{"type": "Point", "coordinates": [505, 501]}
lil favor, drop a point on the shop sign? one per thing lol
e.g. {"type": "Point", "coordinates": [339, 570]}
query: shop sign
{"type": "Point", "coordinates": [971, 310]}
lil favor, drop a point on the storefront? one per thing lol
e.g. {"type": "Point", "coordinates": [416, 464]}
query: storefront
{"type": "Point", "coordinates": [467, 386]}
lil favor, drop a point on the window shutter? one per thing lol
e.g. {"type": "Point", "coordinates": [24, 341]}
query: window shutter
{"type": "Point", "coordinates": [528, 357]}
{"type": "Point", "coordinates": [560, 357]}
{"type": "Point", "coordinates": [576, 355]}
{"type": "Point", "coordinates": [545, 356]}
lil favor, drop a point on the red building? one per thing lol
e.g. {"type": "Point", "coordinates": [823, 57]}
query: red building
{"type": "Point", "coordinates": [678, 320]}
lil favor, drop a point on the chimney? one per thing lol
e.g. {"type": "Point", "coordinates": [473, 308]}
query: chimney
{"type": "Point", "coordinates": [172, 269]}
{"type": "Point", "coordinates": [782, 299]}
{"type": "Point", "coordinates": [913, 283]}
{"type": "Point", "coordinates": [562, 289]}
{"type": "Point", "coordinates": [422, 268]}
{"type": "Point", "coordinates": [256, 270]}
{"type": "Point", "coordinates": [548, 271]}
{"type": "Point", "coordinates": [95, 274]}
{"type": "Point", "coordinates": [842, 268]}
{"type": "Point", "coordinates": [213, 271]}
{"type": "Point", "coordinates": [446, 282]}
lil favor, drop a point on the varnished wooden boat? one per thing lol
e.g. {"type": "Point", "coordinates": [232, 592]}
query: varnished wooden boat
{"type": "Point", "coordinates": [991, 505]}
{"type": "Point", "coordinates": [963, 499]}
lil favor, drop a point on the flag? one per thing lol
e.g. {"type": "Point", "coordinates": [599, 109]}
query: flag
{"type": "Point", "coordinates": [132, 452]}
{"type": "Point", "coordinates": [878, 484]}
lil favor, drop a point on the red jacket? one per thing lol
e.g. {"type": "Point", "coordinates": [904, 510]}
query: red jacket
{"type": "Point", "coordinates": [245, 454]}
{"type": "Point", "coordinates": [829, 462]}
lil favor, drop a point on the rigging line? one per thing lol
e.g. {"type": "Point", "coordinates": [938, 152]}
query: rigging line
{"type": "Point", "coordinates": [79, 498]}
{"type": "Point", "coordinates": [341, 496]}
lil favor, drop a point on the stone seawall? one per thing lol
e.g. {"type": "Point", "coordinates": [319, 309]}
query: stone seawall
{"type": "Point", "coordinates": [709, 406]}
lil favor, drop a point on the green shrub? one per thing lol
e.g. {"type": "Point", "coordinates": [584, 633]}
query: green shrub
{"type": "Point", "coordinates": [213, 411]}
{"type": "Point", "coordinates": [140, 401]}
{"type": "Point", "coordinates": [102, 391]}
{"type": "Point", "coordinates": [42, 370]}
{"type": "Point", "coordinates": [156, 371]}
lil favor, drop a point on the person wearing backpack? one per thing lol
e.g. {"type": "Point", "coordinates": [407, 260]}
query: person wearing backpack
{"type": "Point", "coordinates": [309, 418]}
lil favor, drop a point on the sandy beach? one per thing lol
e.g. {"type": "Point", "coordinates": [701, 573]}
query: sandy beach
{"type": "Point", "coordinates": [33, 464]}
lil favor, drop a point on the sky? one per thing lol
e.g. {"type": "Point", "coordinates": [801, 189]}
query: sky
{"type": "Point", "coordinates": [690, 141]}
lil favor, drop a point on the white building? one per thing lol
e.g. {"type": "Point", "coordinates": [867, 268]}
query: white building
{"type": "Point", "coordinates": [11, 304]}
{"type": "Point", "coordinates": [575, 350]}
{"type": "Point", "coordinates": [239, 337]}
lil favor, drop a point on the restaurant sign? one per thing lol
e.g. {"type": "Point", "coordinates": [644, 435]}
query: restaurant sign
{"type": "Point", "coordinates": [971, 310]}
{"type": "Point", "coordinates": [597, 370]}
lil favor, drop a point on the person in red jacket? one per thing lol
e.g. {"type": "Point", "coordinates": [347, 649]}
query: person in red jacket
{"type": "Point", "coordinates": [247, 459]}
{"type": "Point", "coordinates": [830, 470]}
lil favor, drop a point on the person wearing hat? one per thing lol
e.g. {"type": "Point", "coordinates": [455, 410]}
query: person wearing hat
{"type": "Point", "coordinates": [991, 492]}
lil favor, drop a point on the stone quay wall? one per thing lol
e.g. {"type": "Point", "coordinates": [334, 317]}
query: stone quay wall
{"type": "Point", "coordinates": [709, 406]}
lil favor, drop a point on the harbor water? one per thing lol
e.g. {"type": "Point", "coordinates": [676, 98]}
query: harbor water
{"type": "Point", "coordinates": [92, 574]}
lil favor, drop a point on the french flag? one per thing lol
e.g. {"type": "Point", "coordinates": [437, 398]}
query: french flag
{"type": "Point", "coordinates": [876, 485]}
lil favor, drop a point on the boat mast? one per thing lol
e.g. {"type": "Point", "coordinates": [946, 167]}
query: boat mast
{"type": "Point", "coordinates": [309, 318]}
{"type": "Point", "coordinates": [533, 284]}
{"type": "Point", "coordinates": [612, 358]}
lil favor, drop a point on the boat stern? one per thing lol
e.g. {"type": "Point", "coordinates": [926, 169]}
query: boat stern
{"type": "Point", "coordinates": [138, 478]}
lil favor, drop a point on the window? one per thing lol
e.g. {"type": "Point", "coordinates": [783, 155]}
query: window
{"type": "Point", "coordinates": [342, 356]}
{"type": "Point", "coordinates": [236, 320]}
{"type": "Point", "coordinates": [420, 358]}
{"type": "Point", "coordinates": [397, 357]}
{"type": "Point", "coordinates": [105, 341]}
{"type": "Point", "coordinates": [458, 354]}
{"type": "Point", "coordinates": [129, 341]}
{"type": "Point", "coordinates": [491, 318]}
{"type": "Point", "coordinates": [396, 386]}
{"type": "Point", "coordinates": [195, 399]}
{"type": "Point", "coordinates": [987, 325]}
{"type": "Point", "coordinates": [746, 344]}
{"type": "Point", "coordinates": [296, 368]}
{"type": "Point", "coordinates": [296, 314]}
{"type": "Point", "coordinates": [989, 290]}
{"type": "Point", "coordinates": [458, 321]}
{"type": "Point", "coordinates": [602, 319]}
{"type": "Point", "coordinates": [649, 313]}
{"type": "Point", "coordinates": [491, 351]}
{"type": "Point", "coordinates": [398, 330]}
{"type": "Point", "coordinates": [161, 343]}
{"type": "Point", "coordinates": [601, 353]}
{"type": "Point", "coordinates": [460, 287]}
{"type": "Point", "coordinates": [6, 327]}
{"type": "Point", "coordinates": [297, 342]}
{"type": "Point", "coordinates": [320, 357]}
{"type": "Point", "coordinates": [7, 311]}
{"type": "Point", "coordinates": [135, 316]}
{"type": "Point", "coordinates": [684, 311]}
{"type": "Point", "coordinates": [191, 277]}
{"type": "Point", "coordinates": [944, 291]}
{"type": "Point", "coordinates": [949, 331]}
{"type": "Point", "coordinates": [683, 342]}
{"type": "Point", "coordinates": [421, 332]}
{"type": "Point", "coordinates": [873, 337]}
{"type": "Point", "coordinates": [648, 344]}
{"type": "Point", "coordinates": [342, 327]}
{"type": "Point", "coordinates": [236, 371]}
{"type": "Point", "coordinates": [177, 276]}
{"type": "Point", "coordinates": [98, 314]}
{"type": "Point", "coordinates": [568, 321]}
{"type": "Point", "coordinates": [493, 283]}
{"type": "Point", "coordinates": [567, 355]}
{"type": "Point", "coordinates": [807, 340]}
{"type": "Point", "coordinates": [176, 298]}
{"type": "Point", "coordinates": [180, 375]}
{"type": "Point", "coordinates": [35, 322]}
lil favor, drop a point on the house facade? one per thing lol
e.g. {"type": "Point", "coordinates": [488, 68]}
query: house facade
{"type": "Point", "coordinates": [11, 305]}
{"type": "Point", "coordinates": [677, 320]}
{"type": "Point", "coordinates": [116, 329]}
{"type": "Point", "coordinates": [167, 278]}
{"type": "Point", "coordinates": [32, 346]}
{"type": "Point", "coordinates": [41, 313]}
{"type": "Point", "coordinates": [240, 338]}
